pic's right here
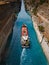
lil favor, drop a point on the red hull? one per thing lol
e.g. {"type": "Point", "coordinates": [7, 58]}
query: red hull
{"type": "Point", "coordinates": [24, 30]}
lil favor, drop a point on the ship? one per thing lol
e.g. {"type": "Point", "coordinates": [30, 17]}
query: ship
{"type": "Point", "coordinates": [24, 37]}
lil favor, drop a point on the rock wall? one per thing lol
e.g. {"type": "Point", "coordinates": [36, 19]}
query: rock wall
{"type": "Point", "coordinates": [10, 0]}
{"type": "Point", "coordinates": [5, 32]}
{"type": "Point", "coordinates": [42, 40]}
{"type": "Point", "coordinates": [45, 24]}
{"type": "Point", "coordinates": [7, 17]}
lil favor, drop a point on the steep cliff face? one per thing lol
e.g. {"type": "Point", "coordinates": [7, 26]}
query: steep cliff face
{"type": "Point", "coordinates": [31, 3]}
{"type": "Point", "coordinates": [10, 0]}
{"type": "Point", "coordinates": [8, 9]}
{"type": "Point", "coordinates": [35, 2]}
{"type": "Point", "coordinates": [11, 7]}
{"type": "Point", "coordinates": [7, 17]}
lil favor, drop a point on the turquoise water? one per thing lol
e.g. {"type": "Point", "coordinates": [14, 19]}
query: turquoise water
{"type": "Point", "coordinates": [31, 56]}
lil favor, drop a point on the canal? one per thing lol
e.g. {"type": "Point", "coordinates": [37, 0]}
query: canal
{"type": "Point", "coordinates": [31, 56]}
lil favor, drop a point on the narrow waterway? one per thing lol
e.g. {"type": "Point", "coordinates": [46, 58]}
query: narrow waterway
{"type": "Point", "coordinates": [31, 56]}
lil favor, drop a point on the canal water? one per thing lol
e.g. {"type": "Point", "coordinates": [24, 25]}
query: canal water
{"type": "Point", "coordinates": [23, 56]}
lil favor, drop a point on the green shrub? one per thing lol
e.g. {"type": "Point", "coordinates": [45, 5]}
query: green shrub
{"type": "Point", "coordinates": [41, 28]}
{"type": "Point", "coordinates": [33, 1]}
{"type": "Point", "coordinates": [42, 1]}
{"type": "Point", "coordinates": [35, 11]}
{"type": "Point", "coordinates": [48, 41]}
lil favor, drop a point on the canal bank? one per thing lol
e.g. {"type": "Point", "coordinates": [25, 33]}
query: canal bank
{"type": "Point", "coordinates": [7, 20]}
{"type": "Point", "coordinates": [5, 52]}
{"type": "Point", "coordinates": [40, 35]}
{"type": "Point", "coordinates": [5, 32]}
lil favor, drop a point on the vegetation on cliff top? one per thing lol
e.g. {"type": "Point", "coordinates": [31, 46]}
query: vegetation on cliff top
{"type": "Point", "coordinates": [35, 4]}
